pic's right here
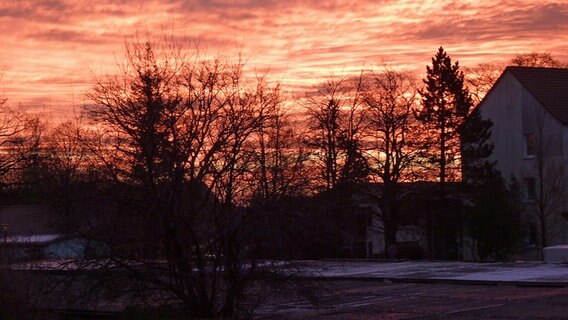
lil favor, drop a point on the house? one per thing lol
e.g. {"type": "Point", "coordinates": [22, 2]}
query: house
{"type": "Point", "coordinates": [43, 246]}
{"type": "Point", "coordinates": [529, 110]}
{"type": "Point", "coordinates": [28, 232]}
{"type": "Point", "coordinates": [420, 231]}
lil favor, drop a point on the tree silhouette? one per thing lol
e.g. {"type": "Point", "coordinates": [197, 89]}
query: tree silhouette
{"type": "Point", "coordinates": [177, 131]}
{"type": "Point", "coordinates": [481, 77]}
{"type": "Point", "coordinates": [537, 59]}
{"type": "Point", "coordinates": [392, 130]}
{"type": "Point", "coordinates": [475, 133]}
{"type": "Point", "coordinates": [334, 129]}
{"type": "Point", "coordinates": [492, 218]}
{"type": "Point", "coordinates": [446, 102]}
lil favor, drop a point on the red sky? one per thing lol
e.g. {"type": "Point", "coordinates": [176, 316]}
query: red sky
{"type": "Point", "coordinates": [51, 49]}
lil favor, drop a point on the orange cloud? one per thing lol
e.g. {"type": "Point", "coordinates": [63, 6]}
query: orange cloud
{"type": "Point", "coordinates": [51, 49]}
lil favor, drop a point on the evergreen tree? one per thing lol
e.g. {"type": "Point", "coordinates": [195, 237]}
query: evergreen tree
{"type": "Point", "coordinates": [493, 220]}
{"type": "Point", "coordinates": [356, 167]}
{"type": "Point", "coordinates": [446, 103]}
{"type": "Point", "coordinates": [475, 148]}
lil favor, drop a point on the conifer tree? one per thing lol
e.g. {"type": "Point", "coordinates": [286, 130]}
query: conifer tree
{"type": "Point", "coordinates": [492, 220]}
{"type": "Point", "coordinates": [492, 216]}
{"type": "Point", "coordinates": [476, 149]}
{"type": "Point", "coordinates": [446, 103]}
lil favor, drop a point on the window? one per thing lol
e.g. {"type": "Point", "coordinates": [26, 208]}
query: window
{"type": "Point", "coordinates": [530, 188]}
{"type": "Point", "coordinates": [530, 145]}
{"type": "Point", "coordinates": [361, 224]}
{"type": "Point", "coordinates": [533, 240]}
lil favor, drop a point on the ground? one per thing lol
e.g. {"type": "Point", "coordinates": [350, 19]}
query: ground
{"type": "Point", "coordinates": [364, 299]}
{"type": "Point", "coordinates": [384, 290]}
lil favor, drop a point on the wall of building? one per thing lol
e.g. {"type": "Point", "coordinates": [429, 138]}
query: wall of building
{"type": "Point", "coordinates": [502, 106]}
{"type": "Point", "coordinates": [515, 112]}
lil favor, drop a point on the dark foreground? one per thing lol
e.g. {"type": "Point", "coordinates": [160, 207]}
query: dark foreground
{"type": "Point", "coordinates": [357, 299]}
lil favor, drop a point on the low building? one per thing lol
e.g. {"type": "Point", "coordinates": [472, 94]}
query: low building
{"type": "Point", "coordinates": [29, 232]}
{"type": "Point", "coordinates": [422, 230]}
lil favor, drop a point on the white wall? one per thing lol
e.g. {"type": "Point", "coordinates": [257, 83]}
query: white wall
{"type": "Point", "coordinates": [515, 112]}
{"type": "Point", "coordinates": [503, 107]}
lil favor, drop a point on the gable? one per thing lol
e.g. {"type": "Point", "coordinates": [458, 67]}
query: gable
{"type": "Point", "coordinates": [549, 86]}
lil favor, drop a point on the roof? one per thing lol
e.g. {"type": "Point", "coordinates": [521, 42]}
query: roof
{"type": "Point", "coordinates": [548, 85]}
{"type": "Point", "coordinates": [36, 239]}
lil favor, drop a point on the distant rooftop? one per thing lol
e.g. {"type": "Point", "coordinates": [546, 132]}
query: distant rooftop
{"type": "Point", "coordinates": [36, 239]}
{"type": "Point", "coordinates": [548, 85]}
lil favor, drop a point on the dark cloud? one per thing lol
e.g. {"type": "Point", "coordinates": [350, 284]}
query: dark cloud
{"type": "Point", "coordinates": [542, 17]}
{"type": "Point", "coordinates": [499, 24]}
{"type": "Point", "coordinates": [54, 43]}
{"type": "Point", "coordinates": [253, 9]}
{"type": "Point", "coordinates": [243, 4]}
{"type": "Point", "coordinates": [65, 11]}
{"type": "Point", "coordinates": [49, 10]}
{"type": "Point", "coordinates": [57, 35]}
{"type": "Point", "coordinates": [64, 80]}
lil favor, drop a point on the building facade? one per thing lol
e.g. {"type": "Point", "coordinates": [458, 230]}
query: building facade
{"type": "Point", "coordinates": [529, 110]}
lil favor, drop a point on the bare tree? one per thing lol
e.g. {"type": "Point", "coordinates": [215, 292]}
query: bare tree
{"type": "Point", "coordinates": [280, 157]}
{"type": "Point", "coordinates": [545, 183]}
{"type": "Point", "coordinates": [20, 135]}
{"type": "Point", "coordinates": [480, 79]}
{"type": "Point", "coordinates": [335, 122]}
{"type": "Point", "coordinates": [355, 168]}
{"type": "Point", "coordinates": [391, 99]}
{"type": "Point", "coordinates": [177, 129]}
{"type": "Point", "coordinates": [537, 59]}
{"type": "Point", "coordinates": [67, 175]}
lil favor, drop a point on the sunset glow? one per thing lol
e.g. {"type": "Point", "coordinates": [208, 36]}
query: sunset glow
{"type": "Point", "coordinates": [51, 50]}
